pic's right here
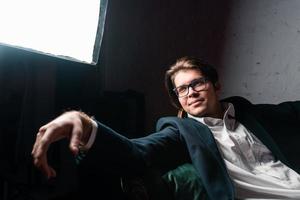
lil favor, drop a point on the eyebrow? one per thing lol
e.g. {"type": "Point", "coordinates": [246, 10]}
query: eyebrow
{"type": "Point", "coordinates": [191, 81]}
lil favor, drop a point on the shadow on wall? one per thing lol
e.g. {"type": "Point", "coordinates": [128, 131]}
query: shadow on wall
{"type": "Point", "coordinates": [145, 37]}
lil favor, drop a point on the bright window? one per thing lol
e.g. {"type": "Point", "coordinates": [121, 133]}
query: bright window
{"type": "Point", "coordinates": [70, 29]}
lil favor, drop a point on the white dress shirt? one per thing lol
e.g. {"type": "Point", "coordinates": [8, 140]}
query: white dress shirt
{"type": "Point", "coordinates": [250, 164]}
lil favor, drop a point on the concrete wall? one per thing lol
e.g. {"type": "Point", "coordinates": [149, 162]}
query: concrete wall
{"type": "Point", "coordinates": [261, 51]}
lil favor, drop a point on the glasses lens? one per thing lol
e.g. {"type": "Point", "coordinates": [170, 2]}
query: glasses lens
{"type": "Point", "coordinates": [181, 91]}
{"type": "Point", "coordinates": [199, 84]}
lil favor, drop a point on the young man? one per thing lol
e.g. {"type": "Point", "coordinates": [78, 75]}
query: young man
{"type": "Point", "coordinates": [227, 141]}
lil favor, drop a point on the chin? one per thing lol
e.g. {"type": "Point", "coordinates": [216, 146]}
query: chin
{"type": "Point", "coordinates": [198, 111]}
{"type": "Point", "coordinates": [198, 114]}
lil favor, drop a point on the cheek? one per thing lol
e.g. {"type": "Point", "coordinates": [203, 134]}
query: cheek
{"type": "Point", "coordinates": [182, 102]}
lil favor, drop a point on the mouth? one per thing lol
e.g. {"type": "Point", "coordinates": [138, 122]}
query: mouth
{"type": "Point", "coordinates": [197, 101]}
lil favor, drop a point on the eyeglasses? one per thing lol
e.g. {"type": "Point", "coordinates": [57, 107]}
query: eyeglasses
{"type": "Point", "coordinates": [197, 85]}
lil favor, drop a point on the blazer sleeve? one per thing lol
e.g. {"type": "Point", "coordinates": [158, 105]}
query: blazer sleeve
{"type": "Point", "coordinates": [163, 150]}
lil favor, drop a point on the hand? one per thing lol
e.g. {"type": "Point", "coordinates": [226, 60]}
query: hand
{"type": "Point", "coordinates": [74, 125]}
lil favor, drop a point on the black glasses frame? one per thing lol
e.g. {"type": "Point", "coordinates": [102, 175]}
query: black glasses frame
{"type": "Point", "coordinates": [202, 81]}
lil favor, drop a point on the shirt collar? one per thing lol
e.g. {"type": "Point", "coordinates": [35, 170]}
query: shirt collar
{"type": "Point", "coordinates": [228, 118]}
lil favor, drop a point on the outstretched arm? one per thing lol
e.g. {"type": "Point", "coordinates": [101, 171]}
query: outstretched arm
{"type": "Point", "coordinates": [74, 125]}
{"type": "Point", "coordinates": [164, 149]}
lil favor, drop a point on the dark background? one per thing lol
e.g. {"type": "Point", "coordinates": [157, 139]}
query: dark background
{"type": "Point", "coordinates": [141, 39]}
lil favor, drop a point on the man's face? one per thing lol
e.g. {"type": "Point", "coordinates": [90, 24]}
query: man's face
{"type": "Point", "coordinates": [202, 103]}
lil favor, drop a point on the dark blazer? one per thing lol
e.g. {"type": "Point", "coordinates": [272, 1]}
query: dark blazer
{"type": "Point", "coordinates": [178, 141]}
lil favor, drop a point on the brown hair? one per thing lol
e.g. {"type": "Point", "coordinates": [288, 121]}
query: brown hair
{"type": "Point", "coordinates": [188, 63]}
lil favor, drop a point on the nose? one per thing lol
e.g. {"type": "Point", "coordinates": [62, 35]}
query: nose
{"type": "Point", "coordinates": [192, 92]}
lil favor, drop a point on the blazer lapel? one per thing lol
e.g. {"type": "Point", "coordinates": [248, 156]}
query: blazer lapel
{"type": "Point", "coordinates": [207, 160]}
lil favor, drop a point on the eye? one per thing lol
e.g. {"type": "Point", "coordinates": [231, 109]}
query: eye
{"type": "Point", "coordinates": [198, 83]}
{"type": "Point", "coordinates": [181, 89]}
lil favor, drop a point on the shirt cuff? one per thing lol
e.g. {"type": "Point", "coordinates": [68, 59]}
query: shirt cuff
{"type": "Point", "coordinates": [92, 138]}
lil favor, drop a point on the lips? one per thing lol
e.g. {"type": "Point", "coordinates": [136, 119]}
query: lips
{"type": "Point", "coordinates": [196, 101]}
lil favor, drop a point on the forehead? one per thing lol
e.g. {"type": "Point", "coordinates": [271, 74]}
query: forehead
{"type": "Point", "coordinates": [184, 77]}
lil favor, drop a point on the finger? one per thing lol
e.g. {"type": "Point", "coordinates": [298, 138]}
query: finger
{"type": "Point", "coordinates": [38, 135]}
{"type": "Point", "coordinates": [44, 128]}
{"type": "Point", "coordinates": [47, 170]}
{"type": "Point", "coordinates": [75, 137]}
{"type": "Point", "coordinates": [41, 144]}
{"type": "Point", "coordinates": [43, 140]}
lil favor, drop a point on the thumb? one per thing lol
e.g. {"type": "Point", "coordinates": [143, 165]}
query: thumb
{"type": "Point", "coordinates": [75, 141]}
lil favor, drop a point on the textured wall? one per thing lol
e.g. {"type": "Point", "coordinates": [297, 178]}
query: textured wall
{"type": "Point", "coordinates": [261, 51]}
